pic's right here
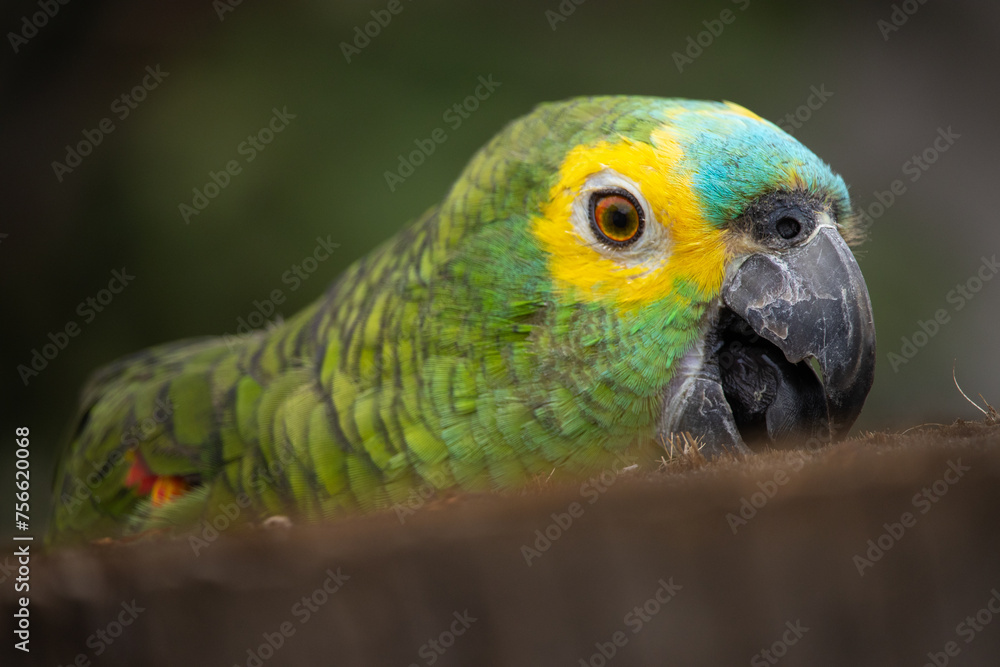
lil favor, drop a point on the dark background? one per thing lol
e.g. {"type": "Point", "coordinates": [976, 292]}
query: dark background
{"type": "Point", "coordinates": [323, 175]}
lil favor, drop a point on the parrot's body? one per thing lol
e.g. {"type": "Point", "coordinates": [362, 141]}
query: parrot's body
{"type": "Point", "coordinates": [554, 313]}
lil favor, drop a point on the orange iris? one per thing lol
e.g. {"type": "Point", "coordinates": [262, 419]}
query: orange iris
{"type": "Point", "coordinates": [616, 218]}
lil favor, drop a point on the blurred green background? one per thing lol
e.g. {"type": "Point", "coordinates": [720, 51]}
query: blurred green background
{"type": "Point", "coordinates": [888, 93]}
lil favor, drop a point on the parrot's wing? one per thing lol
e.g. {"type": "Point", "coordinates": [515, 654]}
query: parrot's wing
{"type": "Point", "coordinates": [144, 429]}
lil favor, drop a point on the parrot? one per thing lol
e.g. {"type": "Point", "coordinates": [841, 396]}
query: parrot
{"type": "Point", "coordinates": [606, 273]}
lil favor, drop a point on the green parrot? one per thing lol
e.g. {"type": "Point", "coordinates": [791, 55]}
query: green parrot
{"type": "Point", "coordinates": [606, 272]}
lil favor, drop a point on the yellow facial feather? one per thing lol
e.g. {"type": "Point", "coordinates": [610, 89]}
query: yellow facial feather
{"type": "Point", "coordinates": [741, 110]}
{"type": "Point", "coordinates": [693, 250]}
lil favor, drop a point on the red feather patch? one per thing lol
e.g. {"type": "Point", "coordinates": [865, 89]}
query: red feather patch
{"type": "Point", "coordinates": [163, 488]}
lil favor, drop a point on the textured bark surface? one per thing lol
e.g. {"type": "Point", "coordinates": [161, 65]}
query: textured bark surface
{"type": "Point", "coordinates": [792, 562]}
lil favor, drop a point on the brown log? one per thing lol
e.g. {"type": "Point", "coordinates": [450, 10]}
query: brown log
{"type": "Point", "coordinates": [733, 595]}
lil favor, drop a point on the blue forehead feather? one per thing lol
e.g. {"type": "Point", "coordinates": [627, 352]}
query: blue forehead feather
{"type": "Point", "coordinates": [734, 158]}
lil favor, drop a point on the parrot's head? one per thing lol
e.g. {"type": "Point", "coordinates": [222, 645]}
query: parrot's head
{"type": "Point", "coordinates": [706, 246]}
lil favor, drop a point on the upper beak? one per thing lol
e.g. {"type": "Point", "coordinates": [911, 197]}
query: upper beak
{"type": "Point", "coordinates": [811, 301]}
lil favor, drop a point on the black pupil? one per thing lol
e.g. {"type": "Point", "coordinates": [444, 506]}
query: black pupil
{"type": "Point", "coordinates": [619, 218]}
{"type": "Point", "coordinates": [788, 228]}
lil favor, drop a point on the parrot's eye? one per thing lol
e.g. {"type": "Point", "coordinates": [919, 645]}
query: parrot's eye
{"type": "Point", "coordinates": [616, 217]}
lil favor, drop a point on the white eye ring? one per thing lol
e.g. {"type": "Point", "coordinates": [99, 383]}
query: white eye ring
{"type": "Point", "coordinates": [651, 247]}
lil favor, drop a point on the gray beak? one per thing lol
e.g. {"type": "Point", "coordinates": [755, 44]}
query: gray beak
{"type": "Point", "coordinates": [812, 301]}
{"type": "Point", "coordinates": [753, 381]}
